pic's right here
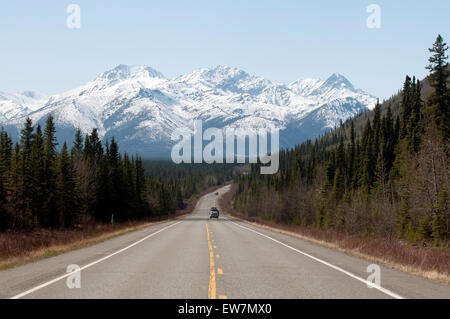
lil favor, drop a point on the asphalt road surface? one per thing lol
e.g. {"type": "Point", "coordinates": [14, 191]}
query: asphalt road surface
{"type": "Point", "coordinates": [195, 257]}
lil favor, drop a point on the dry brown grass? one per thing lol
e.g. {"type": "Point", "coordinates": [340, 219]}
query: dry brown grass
{"type": "Point", "coordinates": [17, 248]}
{"type": "Point", "coordinates": [427, 262]}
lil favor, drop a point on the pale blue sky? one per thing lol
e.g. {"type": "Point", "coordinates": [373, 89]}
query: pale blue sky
{"type": "Point", "coordinates": [279, 40]}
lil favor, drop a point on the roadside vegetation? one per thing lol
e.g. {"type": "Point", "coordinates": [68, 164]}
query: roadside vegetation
{"type": "Point", "coordinates": [381, 177]}
{"type": "Point", "coordinates": [53, 199]}
{"type": "Point", "coordinates": [426, 261]}
{"type": "Point", "coordinates": [22, 246]}
{"type": "Point", "coordinates": [90, 183]}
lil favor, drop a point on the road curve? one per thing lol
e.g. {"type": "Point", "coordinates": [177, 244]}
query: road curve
{"type": "Point", "coordinates": [195, 257]}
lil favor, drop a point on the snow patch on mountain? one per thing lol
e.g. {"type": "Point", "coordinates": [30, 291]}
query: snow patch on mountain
{"type": "Point", "coordinates": [141, 107]}
{"type": "Point", "coordinates": [20, 104]}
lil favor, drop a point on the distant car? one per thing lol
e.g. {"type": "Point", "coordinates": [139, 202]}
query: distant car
{"type": "Point", "coordinates": [217, 193]}
{"type": "Point", "coordinates": [214, 213]}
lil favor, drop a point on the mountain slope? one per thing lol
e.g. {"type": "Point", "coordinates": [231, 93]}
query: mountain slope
{"type": "Point", "coordinates": [19, 104]}
{"type": "Point", "coordinates": [141, 107]}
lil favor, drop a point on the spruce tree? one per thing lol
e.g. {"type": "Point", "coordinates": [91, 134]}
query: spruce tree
{"type": "Point", "coordinates": [39, 194]}
{"type": "Point", "coordinates": [96, 145]}
{"type": "Point", "coordinates": [104, 207]}
{"type": "Point", "coordinates": [77, 148]}
{"type": "Point", "coordinates": [330, 170]}
{"type": "Point", "coordinates": [6, 151]}
{"type": "Point", "coordinates": [88, 151]}
{"type": "Point", "coordinates": [367, 159]}
{"type": "Point", "coordinates": [50, 143]}
{"type": "Point", "coordinates": [15, 190]}
{"type": "Point", "coordinates": [439, 101]}
{"type": "Point", "coordinates": [140, 183]}
{"type": "Point", "coordinates": [26, 174]}
{"type": "Point", "coordinates": [67, 190]}
{"type": "Point", "coordinates": [352, 156]}
{"type": "Point", "coordinates": [339, 175]}
{"type": "Point", "coordinates": [5, 165]}
{"type": "Point", "coordinates": [406, 107]}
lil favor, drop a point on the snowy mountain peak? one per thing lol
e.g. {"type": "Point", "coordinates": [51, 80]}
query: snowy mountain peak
{"type": "Point", "coordinates": [305, 87]}
{"type": "Point", "coordinates": [338, 81]}
{"type": "Point", "coordinates": [223, 79]}
{"type": "Point", "coordinates": [141, 108]}
{"type": "Point", "coordinates": [215, 75]}
{"type": "Point", "coordinates": [122, 72]}
{"type": "Point", "coordinates": [221, 72]}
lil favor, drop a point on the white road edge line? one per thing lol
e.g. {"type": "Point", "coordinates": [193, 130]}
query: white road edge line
{"type": "Point", "coordinates": [89, 265]}
{"type": "Point", "coordinates": [384, 290]}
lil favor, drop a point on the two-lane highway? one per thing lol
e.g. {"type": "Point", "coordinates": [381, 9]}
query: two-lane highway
{"type": "Point", "coordinates": [195, 257]}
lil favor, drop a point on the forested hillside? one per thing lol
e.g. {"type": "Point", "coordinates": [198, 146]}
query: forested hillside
{"type": "Point", "coordinates": [382, 174]}
{"type": "Point", "coordinates": [191, 177]}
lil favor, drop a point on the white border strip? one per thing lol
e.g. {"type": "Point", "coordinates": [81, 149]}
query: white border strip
{"type": "Point", "coordinates": [384, 290]}
{"type": "Point", "coordinates": [89, 265]}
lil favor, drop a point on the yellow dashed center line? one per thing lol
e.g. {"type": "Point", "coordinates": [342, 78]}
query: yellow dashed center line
{"type": "Point", "coordinates": [217, 256]}
{"type": "Point", "coordinates": [222, 297]}
{"type": "Point", "coordinates": [212, 276]}
{"type": "Point", "coordinates": [219, 271]}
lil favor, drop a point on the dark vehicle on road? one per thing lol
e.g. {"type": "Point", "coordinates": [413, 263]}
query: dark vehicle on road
{"type": "Point", "coordinates": [214, 213]}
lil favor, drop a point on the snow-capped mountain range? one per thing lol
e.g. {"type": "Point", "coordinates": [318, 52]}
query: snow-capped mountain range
{"type": "Point", "coordinates": [141, 108]}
